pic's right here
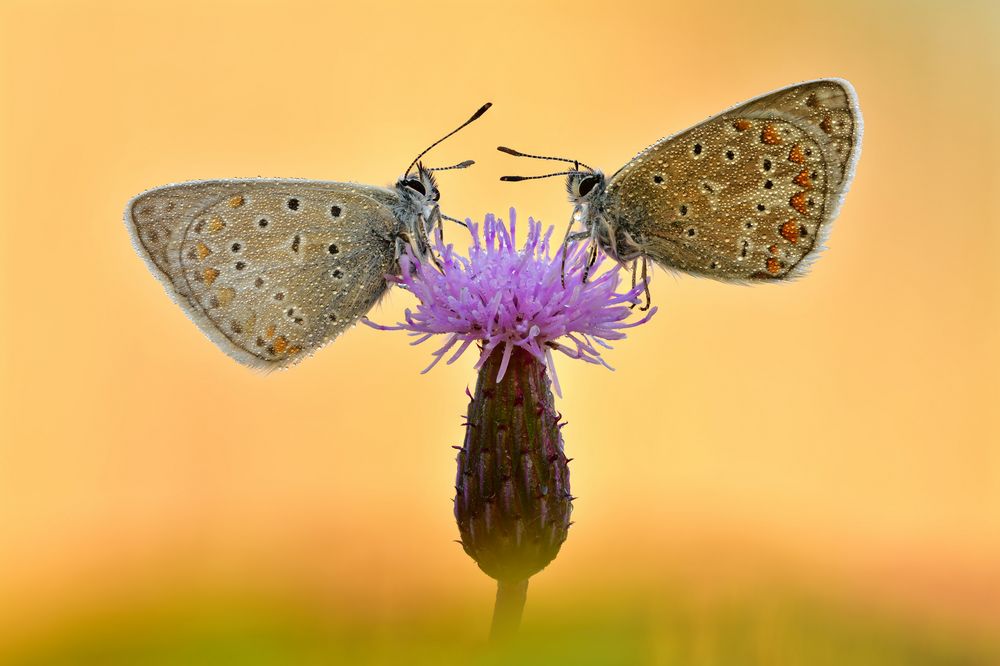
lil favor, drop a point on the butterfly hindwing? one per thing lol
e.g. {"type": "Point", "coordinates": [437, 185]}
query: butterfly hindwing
{"type": "Point", "coordinates": [270, 270]}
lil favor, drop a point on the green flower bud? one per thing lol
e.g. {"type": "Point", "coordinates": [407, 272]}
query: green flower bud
{"type": "Point", "coordinates": [512, 501]}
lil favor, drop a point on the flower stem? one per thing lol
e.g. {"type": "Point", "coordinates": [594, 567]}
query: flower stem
{"type": "Point", "coordinates": [511, 596]}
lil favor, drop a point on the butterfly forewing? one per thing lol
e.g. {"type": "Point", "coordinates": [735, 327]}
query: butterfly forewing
{"type": "Point", "coordinates": [270, 270]}
{"type": "Point", "coordinates": [747, 194]}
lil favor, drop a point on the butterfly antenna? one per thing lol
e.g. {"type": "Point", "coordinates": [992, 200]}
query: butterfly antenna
{"type": "Point", "coordinates": [461, 165]}
{"type": "Point", "coordinates": [475, 116]}
{"type": "Point", "coordinates": [514, 179]}
{"type": "Point", "coordinates": [518, 153]}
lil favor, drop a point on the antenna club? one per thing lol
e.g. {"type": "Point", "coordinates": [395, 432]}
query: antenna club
{"type": "Point", "coordinates": [461, 165]}
{"type": "Point", "coordinates": [483, 109]}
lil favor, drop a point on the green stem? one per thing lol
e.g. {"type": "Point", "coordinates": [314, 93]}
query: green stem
{"type": "Point", "coordinates": [511, 596]}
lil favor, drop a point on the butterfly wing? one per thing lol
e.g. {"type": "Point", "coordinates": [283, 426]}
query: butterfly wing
{"type": "Point", "coordinates": [270, 270]}
{"type": "Point", "coordinates": [748, 194]}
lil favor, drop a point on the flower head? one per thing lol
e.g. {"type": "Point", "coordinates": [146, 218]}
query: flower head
{"type": "Point", "coordinates": [502, 295]}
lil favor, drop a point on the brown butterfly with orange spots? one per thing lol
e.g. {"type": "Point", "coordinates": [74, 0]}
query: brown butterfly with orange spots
{"type": "Point", "coordinates": [747, 195]}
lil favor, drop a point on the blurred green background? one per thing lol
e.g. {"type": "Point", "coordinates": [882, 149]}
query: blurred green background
{"type": "Point", "coordinates": [617, 627]}
{"type": "Point", "coordinates": [772, 626]}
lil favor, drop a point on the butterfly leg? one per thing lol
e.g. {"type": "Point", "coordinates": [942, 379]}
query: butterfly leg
{"type": "Point", "coordinates": [433, 222]}
{"type": "Point", "coordinates": [612, 237]}
{"type": "Point", "coordinates": [414, 242]}
{"type": "Point", "coordinates": [591, 252]}
{"type": "Point", "coordinates": [591, 260]}
{"type": "Point", "coordinates": [634, 270]}
{"type": "Point", "coordinates": [645, 282]}
{"type": "Point", "coordinates": [440, 230]}
{"type": "Point", "coordinates": [408, 239]}
{"type": "Point", "coordinates": [570, 239]}
{"type": "Point", "coordinates": [565, 248]}
{"type": "Point", "coordinates": [401, 243]}
{"type": "Point", "coordinates": [434, 259]}
{"type": "Point", "coordinates": [437, 220]}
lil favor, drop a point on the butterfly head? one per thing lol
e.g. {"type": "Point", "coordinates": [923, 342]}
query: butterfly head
{"type": "Point", "coordinates": [418, 189]}
{"type": "Point", "coordinates": [585, 187]}
{"type": "Point", "coordinates": [586, 191]}
{"type": "Point", "coordinates": [417, 208]}
{"type": "Point", "coordinates": [585, 184]}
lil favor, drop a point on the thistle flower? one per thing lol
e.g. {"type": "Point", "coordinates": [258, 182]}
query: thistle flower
{"type": "Point", "coordinates": [507, 298]}
{"type": "Point", "coordinates": [512, 493]}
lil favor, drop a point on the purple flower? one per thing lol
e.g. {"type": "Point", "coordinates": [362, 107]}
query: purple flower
{"type": "Point", "coordinates": [502, 295]}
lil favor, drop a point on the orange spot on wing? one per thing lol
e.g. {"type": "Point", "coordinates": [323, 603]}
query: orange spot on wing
{"type": "Point", "coordinates": [269, 333]}
{"type": "Point", "coordinates": [770, 136]}
{"type": "Point", "coordinates": [280, 345]}
{"type": "Point", "coordinates": [209, 275]}
{"type": "Point", "coordinates": [773, 249]}
{"type": "Point", "coordinates": [798, 202]}
{"type": "Point", "coordinates": [796, 155]}
{"type": "Point", "coordinates": [202, 250]}
{"type": "Point", "coordinates": [790, 231]}
{"type": "Point", "coordinates": [742, 124]}
{"type": "Point", "coordinates": [773, 266]}
{"type": "Point", "coordinates": [802, 180]}
{"type": "Point", "coordinates": [237, 201]}
{"type": "Point", "coordinates": [216, 224]}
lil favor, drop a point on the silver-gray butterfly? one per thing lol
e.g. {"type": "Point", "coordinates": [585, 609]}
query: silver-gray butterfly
{"type": "Point", "coordinates": [272, 269]}
{"type": "Point", "coordinates": [747, 195]}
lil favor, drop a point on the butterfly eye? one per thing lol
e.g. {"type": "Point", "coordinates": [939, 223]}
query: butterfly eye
{"type": "Point", "coordinates": [416, 186]}
{"type": "Point", "coordinates": [437, 195]}
{"type": "Point", "coordinates": [587, 184]}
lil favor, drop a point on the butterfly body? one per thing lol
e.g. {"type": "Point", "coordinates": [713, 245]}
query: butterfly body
{"type": "Point", "coordinates": [747, 195]}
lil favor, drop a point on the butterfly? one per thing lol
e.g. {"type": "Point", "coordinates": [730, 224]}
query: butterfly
{"type": "Point", "coordinates": [272, 269]}
{"type": "Point", "coordinates": [745, 196]}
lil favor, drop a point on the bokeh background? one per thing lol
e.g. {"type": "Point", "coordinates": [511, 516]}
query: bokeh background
{"type": "Point", "coordinates": [795, 474]}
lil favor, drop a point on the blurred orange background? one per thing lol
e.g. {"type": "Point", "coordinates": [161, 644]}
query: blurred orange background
{"type": "Point", "coordinates": [838, 434]}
